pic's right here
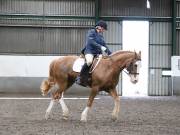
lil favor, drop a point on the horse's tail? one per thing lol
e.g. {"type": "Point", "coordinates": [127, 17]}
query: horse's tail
{"type": "Point", "coordinates": [45, 87]}
{"type": "Point", "coordinates": [47, 84]}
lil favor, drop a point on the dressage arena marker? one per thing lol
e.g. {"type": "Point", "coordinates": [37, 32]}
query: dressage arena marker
{"type": "Point", "coordinates": [16, 98]}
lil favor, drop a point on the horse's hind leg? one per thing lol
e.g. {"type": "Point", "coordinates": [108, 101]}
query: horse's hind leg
{"type": "Point", "coordinates": [48, 111]}
{"type": "Point", "coordinates": [116, 98]}
{"type": "Point", "coordinates": [64, 108]}
{"type": "Point", "coordinates": [58, 95]}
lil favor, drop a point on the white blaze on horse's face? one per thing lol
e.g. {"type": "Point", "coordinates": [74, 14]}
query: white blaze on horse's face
{"type": "Point", "coordinates": [135, 76]}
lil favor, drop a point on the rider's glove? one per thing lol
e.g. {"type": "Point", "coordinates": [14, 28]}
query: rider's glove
{"type": "Point", "coordinates": [103, 49]}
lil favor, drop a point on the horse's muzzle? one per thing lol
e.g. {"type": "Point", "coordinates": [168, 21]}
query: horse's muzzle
{"type": "Point", "coordinates": [134, 81]}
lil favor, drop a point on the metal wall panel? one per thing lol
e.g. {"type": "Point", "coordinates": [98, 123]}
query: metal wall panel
{"type": "Point", "coordinates": [63, 41]}
{"type": "Point", "coordinates": [81, 23]}
{"type": "Point", "coordinates": [158, 85]}
{"type": "Point", "coordinates": [46, 22]}
{"type": "Point", "coordinates": [160, 33]}
{"type": "Point", "coordinates": [48, 7]}
{"type": "Point", "coordinates": [178, 42]}
{"type": "Point", "coordinates": [6, 21]}
{"type": "Point", "coordinates": [20, 40]}
{"type": "Point", "coordinates": [114, 32]}
{"type": "Point", "coordinates": [46, 35]}
{"type": "Point", "coordinates": [121, 8]}
{"type": "Point", "coordinates": [159, 58]}
{"type": "Point", "coordinates": [21, 6]}
{"type": "Point", "coordinates": [177, 37]}
{"type": "Point", "coordinates": [159, 8]}
{"type": "Point", "coordinates": [113, 36]}
{"type": "Point", "coordinates": [178, 9]}
{"type": "Point", "coordinates": [70, 7]}
{"type": "Point", "coordinates": [47, 41]}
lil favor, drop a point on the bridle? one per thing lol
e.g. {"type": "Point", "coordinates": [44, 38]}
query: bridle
{"type": "Point", "coordinates": [130, 69]}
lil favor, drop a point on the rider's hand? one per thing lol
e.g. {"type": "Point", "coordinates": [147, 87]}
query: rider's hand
{"type": "Point", "coordinates": [104, 54]}
{"type": "Point", "coordinates": [103, 48]}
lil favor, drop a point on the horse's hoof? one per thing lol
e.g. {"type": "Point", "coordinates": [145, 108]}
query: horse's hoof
{"type": "Point", "coordinates": [47, 115]}
{"type": "Point", "coordinates": [65, 114]}
{"type": "Point", "coordinates": [65, 117]}
{"type": "Point", "coordinates": [114, 118]}
{"type": "Point", "coordinates": [83, 120]}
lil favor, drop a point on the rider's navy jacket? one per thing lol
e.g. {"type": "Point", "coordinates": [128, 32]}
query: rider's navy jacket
{"type": "Point", "coordinates": [94, 41]}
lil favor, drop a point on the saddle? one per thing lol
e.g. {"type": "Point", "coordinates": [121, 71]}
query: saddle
{"type": "Point", "coordinates": [79, 62]}
{"type": "Point", "coordinates": [84, 78]}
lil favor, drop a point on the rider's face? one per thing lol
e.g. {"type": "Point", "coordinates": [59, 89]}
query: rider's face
{"type": "Point", "coordinates": [100, 29]}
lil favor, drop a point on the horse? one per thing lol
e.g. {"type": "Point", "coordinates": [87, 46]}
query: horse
{"type": "Point", "coordinates": [103, 78]}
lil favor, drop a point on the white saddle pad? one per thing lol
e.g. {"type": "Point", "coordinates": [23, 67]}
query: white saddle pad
{"type": "Point", "coordinates": [77, 66]}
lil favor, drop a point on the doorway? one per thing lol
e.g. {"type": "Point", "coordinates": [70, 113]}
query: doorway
{"type": "Point", "coordinates": [136, 37]}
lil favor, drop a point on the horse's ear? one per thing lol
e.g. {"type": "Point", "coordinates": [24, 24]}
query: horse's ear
{"type": "Point", "coordinates": [140, 53]}
{"type": "Point", "coordinates": [136, 55]}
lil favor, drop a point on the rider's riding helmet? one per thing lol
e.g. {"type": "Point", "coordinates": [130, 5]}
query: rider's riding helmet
{"type": "Point", "coordinates": [102, 24]}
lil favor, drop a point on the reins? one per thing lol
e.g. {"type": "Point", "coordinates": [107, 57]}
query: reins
{"type": "Point", "coordinates": [94, 67]}
{"type": "Point", "coordinates": [125, 72]}
{"type": "Point", "coordinates": [99, 59]}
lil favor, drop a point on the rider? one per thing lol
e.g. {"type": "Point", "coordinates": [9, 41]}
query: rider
{"type": "Point", "coordinates": [94, 46]}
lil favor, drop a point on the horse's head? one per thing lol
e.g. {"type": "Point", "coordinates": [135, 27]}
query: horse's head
{"type": "Point", "coordinates": [133, 67]}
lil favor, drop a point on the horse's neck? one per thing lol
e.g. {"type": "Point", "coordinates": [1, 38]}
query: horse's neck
{"type": "Point", "coordinates": [120, 60]}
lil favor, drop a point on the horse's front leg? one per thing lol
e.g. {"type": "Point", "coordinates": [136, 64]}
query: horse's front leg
{"type": "Point", "coordinates": [64, 108]}
{"type": "Point", "coordinates": [89, 104]}
{"type": "Point", "coordinates": [116, 109]}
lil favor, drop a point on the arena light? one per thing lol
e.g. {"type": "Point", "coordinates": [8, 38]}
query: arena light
{"type": "Point", "coordinates": [148, 4]}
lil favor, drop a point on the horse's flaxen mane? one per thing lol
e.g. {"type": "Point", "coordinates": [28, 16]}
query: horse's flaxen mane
{"type": "Point", "coordinates": [121, 52]}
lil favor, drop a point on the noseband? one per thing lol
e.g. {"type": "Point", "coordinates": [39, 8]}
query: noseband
{"type": "Point", "coordinates": [130, 70]}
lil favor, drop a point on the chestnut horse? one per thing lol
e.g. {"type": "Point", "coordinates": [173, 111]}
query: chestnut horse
{"type": "Point", "coordinates": [105, 77]}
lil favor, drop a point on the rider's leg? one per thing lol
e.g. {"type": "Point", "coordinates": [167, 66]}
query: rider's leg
{"type": "Point", "coordinates": [85, 70]}
{"type": "Point", "coordinates": [84, 74]}
{"type": "Point", "coordinates": [89, 59]}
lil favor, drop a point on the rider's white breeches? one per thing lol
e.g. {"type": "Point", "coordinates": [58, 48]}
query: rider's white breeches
{"type": "Point", "coordinates": [89, 59]}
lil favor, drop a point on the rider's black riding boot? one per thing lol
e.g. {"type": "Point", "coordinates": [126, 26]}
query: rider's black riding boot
{"type": "Point", "coordinates": [82, 79]}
